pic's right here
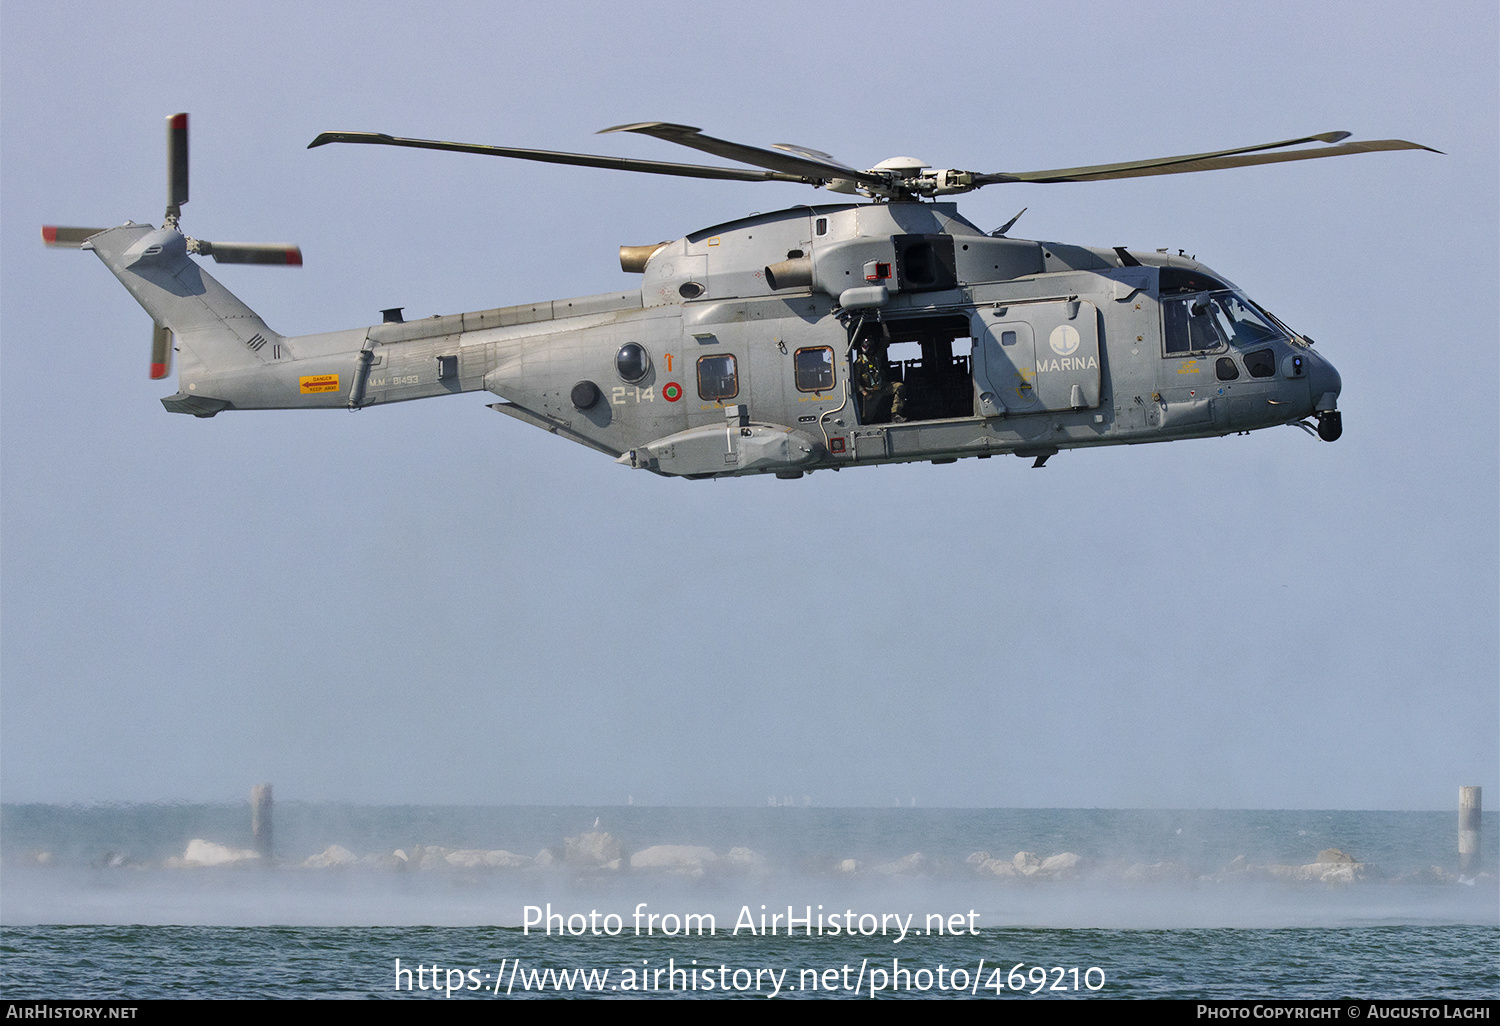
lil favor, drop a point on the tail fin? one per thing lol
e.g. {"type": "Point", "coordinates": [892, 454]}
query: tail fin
{"type": "Point", "coordinates": [214, 330]}
{"type": "Point", "coordinates": [218, 338]}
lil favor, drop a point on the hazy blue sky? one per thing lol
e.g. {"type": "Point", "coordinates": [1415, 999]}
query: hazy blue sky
{"type": "Point", "coordinates": [432, 603]}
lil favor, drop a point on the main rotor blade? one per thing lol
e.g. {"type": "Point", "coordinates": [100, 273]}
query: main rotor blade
{"type": "Point", "coordinates": [177, 163]}
{"type": "Point", "coordinates": [1241, 157]}
{"type": "Point", "coordinates": [65, 237]}
{"type": "Point", "coordinates": [655, 167]}
{"type": "Point", "coordinates": [808, 151]}
{"type": "Point", "coordinates": [803, 164]}
{"type": "Point", "coordinates": [274, 253]}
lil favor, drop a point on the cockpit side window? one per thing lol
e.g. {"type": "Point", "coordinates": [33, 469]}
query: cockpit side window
{"type": "Point", "coordinates": [1205, 322]}
{"type": "Point", "coordinates": [1189, 326]}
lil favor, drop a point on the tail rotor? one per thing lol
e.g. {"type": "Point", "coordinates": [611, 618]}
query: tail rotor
{"type": "Point", "coordinates": [263, 253]}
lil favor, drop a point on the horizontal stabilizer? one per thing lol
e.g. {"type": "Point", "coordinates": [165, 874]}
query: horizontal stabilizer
{"type": "Point", "coordinates": [197, 405]}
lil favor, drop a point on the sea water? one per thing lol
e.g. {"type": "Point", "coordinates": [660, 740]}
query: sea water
{"type": "Point", "coordinates": [776, 902]}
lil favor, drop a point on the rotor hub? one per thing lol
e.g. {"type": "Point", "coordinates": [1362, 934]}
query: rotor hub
{"type": "Point", "coordinates": [903, 167]}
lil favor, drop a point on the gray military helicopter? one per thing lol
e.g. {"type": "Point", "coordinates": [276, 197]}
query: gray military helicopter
{"type": "Point", "coordinates": [817, 337]}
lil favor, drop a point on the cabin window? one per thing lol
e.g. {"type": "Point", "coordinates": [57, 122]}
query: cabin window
{"type": "Point", "coordinates": [1226, 369]}
{"type": "Point", "coordinates": [631, 362]}
{"type": "Point", "coordinates": [1261, 363]}
{"type": "Point", "coordinates": [814, 369]}
{"type": "Point", "coordinates": [822, 226]}
{"type": "Point", "coordinates": [718, 377]}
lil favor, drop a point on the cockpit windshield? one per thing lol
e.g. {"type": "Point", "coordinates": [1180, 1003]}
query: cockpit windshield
{"type": "Point", "coordinates": [1207, 321]}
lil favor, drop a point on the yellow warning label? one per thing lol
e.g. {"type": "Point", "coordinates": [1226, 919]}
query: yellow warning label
{"type": "Point", "coordinates": [319, 383]}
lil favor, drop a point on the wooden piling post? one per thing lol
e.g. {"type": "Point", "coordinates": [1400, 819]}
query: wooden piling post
{"type": "Point", "coordinates": [260, 819]}
{"type": "Point", "coordinates": [1468, 830]}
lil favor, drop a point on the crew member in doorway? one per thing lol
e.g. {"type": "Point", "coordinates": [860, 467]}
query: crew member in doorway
{"type": "Point", "coordinates": [874, 385]}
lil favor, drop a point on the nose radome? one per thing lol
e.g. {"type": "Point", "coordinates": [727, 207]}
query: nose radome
{"type": "Point", "coordinates": [1324, 382]}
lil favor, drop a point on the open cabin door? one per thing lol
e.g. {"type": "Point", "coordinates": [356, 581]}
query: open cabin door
{"type": "Point", "coordinates": [905, 369]}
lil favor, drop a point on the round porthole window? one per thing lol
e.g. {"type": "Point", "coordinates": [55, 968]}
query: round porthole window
{"type": "Point", "coordinates": [632, 362]}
